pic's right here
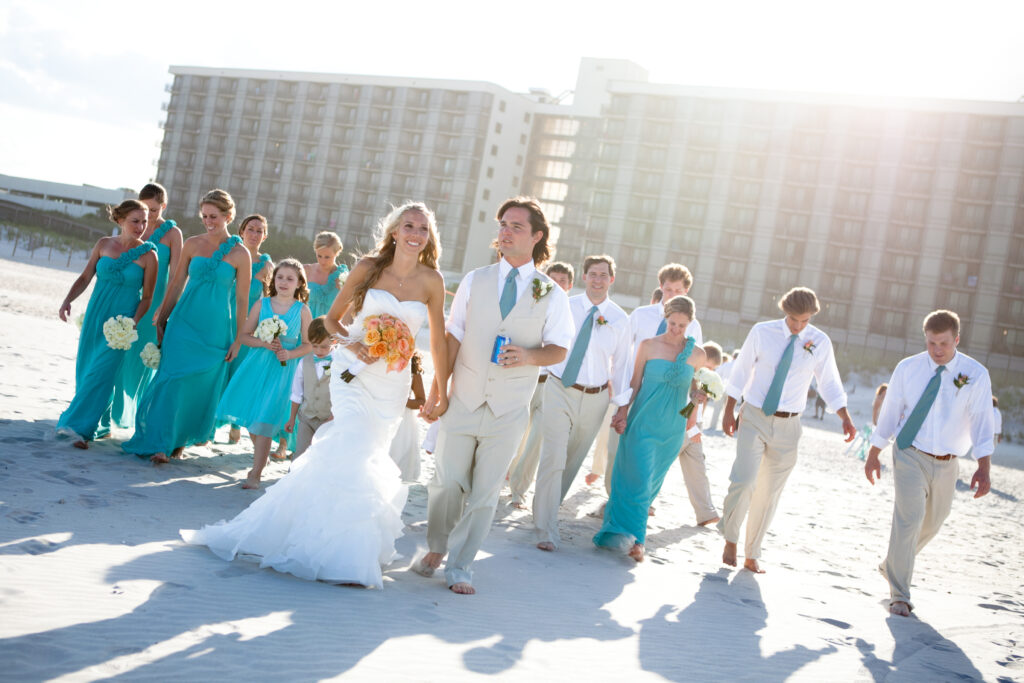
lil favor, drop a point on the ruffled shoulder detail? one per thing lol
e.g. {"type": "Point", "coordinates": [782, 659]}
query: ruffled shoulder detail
{"type": "Point", "coordinates": [336, 273]}
{"type": "Point", "coordinates": [207, 268]}
{"type": "Point", "coordinates": [134, 253]}
{"type": "Point", "coordinates": [684, 355]}
{"type": "Point", "coordinates": [680, 373]}
{"type": "Point", "coordinates": [258, 266]}
{"type": "Point", "coordinates": [159, 233]}
{"type": "Point", "coordinates": [228, 245]}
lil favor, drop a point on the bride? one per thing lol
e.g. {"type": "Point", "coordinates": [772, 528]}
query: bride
{"type": "Point", "coordinates": [335, 516]}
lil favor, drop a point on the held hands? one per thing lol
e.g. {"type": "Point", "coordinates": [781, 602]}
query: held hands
{"type": "Point", "coordinates": [435, 406]}
{"type": "Point", "coordinates": [729, 423]}
{"type": "Point", "coordinates": [289, 426]}
{"type": "Point", "coordinates": [65, 310]}
{"type": "Point", "coordinates": [512, 356]}
{"type": "Point", "coordinates": [619, 420]}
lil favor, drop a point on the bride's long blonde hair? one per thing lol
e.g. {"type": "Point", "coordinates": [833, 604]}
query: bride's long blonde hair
{"type": "Point", "coordinates": [383, 253]}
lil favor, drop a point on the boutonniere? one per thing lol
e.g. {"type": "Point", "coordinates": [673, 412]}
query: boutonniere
{"type": "Point", "coordinates": [809, 347]}
{"type": "Point", "coordinates": [541, 289]}
{"type": "Point", "coordinates": [961, 381]}
{"type": "Point", "coordinates": [601, 320]}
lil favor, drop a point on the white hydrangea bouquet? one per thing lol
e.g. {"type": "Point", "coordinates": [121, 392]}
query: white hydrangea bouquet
{"type": "Point", "coordinates": [120, 333]}
{"type": "Point", "coordinates": [710, 383]}
{"type": "Point", "coordinates": [80, 320]}
{"type": "Point", "coordinates": [270, 329]}
{"type": "Point", "coordinates": [150, 356]}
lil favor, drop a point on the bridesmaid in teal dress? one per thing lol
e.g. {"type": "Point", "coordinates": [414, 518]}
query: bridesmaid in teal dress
{"type": "Point", "coordinates": [325, 275]}
{"type": "Point", "coordinates": [653, 430]}
{"type": "Point", "coordinates": [125, 269]}
{"type": "Point", "coordinates": [258, 394]}
{"type": "Point", "coordinates": [254, 231]}
{"type": "Point", "coordinates": [199, 335]}
{"type": "Point", "coordinates": [133, 377]}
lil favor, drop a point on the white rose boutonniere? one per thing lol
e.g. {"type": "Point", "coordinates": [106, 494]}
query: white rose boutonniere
{"type": "Point", "coordinates": [541, 289]}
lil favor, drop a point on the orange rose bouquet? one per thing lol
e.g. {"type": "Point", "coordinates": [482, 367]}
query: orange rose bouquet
{"type": "Point", "coordinates": [386, 338]}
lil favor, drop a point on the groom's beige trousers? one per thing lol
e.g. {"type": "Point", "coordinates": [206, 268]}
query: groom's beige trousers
{"type": "Point", "coordinates": [572, 419]}
{"type": "Point", "coordinates": [474, 450]}
{"type": "Point", "coordinates": [924, 489]}
{"type": "Point", "coordinates": [523, 469]}
{"type": "Point", "coordinates": [766, 450]}
{"type": "Point", "coordinates": [695, 476]}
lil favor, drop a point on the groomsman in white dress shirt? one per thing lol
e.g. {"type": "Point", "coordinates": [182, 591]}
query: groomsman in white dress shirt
{"type": "Point", "coordinates": [776, 364]}
{"type": "Point", "coordinates": [576, 394]}
{"type": "Point", "coordinates": [523, 469]}
{"type": "Point", "coordinates": [937, 406]}
{"type": "Point", "coordinates": [489, 400]}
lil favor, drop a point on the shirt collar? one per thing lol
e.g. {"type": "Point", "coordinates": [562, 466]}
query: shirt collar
{"type": "Point", "coordinates": [801, 335]}
{"type": "Point", "coordinates": [949, 366]}
{"type": "Point", "coordinates": [525, 271]}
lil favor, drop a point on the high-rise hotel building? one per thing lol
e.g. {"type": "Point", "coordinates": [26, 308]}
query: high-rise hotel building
{"type": "Point", "coordinates": [888, 208]}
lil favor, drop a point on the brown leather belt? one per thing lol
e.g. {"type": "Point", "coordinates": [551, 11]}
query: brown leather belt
{"type": "Point", "coordinates": [783, 413]}
{"type": "Point", "coordinates": [585, 390]}
{"type": "Point", "coordinates": [948, 456]}
{"type": "Point", "coordinates": [543, 378]}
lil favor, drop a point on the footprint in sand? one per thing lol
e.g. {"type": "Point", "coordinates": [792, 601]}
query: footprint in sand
{"type": "Point", "coordinates": [33, 546]}
{"type": "Point", "coordinates": [92, 502]}
{"type": "Point", "coordinates": [69, 478]}
{"type": "Point", "coordinates": [24, 516]}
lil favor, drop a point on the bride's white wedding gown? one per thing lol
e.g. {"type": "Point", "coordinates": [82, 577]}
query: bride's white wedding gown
{"type": "Point", "coordinates": [335, 516]}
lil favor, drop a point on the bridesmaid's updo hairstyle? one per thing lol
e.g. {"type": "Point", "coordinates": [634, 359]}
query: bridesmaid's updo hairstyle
{"type": "Point", "coordinates": [154, 191]}
{"type": "Point", "coordinates": [327, 239]}
{"type": "Point", "coordinates": [302, 291]}
{"type": "Point", "coordinates": [249, 219]}
{"type": "Point", "coordinates": [221, 199]}
{"type": "Point", "coordinates": [384, 253]}
{"type": "Point", "coordinates": [120, 212]}
{"type": "Point", "coordinates": [680, 304]}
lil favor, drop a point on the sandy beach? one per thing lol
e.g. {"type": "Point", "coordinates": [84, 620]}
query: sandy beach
{"type": "Point", "coordinates": [95, 583]}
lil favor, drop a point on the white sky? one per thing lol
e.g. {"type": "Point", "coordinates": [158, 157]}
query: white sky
{"type": "Point", "coordinates": [81, 83]}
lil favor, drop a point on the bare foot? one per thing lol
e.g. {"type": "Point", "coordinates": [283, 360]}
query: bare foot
{"type": "Point", "coordinates": [202, 443]}
{"type": "Point", "coordinates": [426, 565]}
{"type": "Point", "coordinates": [729, 554]}
{"type": "Point", "coordinates": [234, 435]}
{"type": "Point", "coordinates": [650, 511]}
{"type": "Point", "coordinates": [277, 455]}
{"type": "Point", "coordinates": [637, 552]}
{"type": "Point", "coordinates": [900, 609]}
{"type": "Point", "coordinates": [81, 444]}
{"type": "Point", "coordinates": [159, 459]}
{"type": "Point", "coordinates": [251, 482]}
{"type": "Point", "coordinates": [591, 478]}
{"type": "Point", "coordinates": [546, 545]}
{"type": "Point", "coordinates": [178, 452]}
{"type": "Point", "coordinates": [518, 505]}
{"type": "Point", "coordinates": [462, 588]}
{"type": "Point", "coordinates": [708, 521]}
{"type": "Point", "coordinates": [752, 565]}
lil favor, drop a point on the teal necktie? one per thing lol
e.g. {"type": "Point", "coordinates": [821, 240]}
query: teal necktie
{"type": "Point", "coordinates": [508, 295]}
{"type": "Point", "coordinates": [661, 326]}
{"type": "Point", "coordinates": [771, 399]}
{"type": "Point", "coordinates": [905, 439]}
{"type": "Point", "coordinates": [579, 348]}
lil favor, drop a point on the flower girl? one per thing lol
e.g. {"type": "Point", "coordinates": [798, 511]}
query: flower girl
{"type": "Point", "coordinates": [258, 394]}
{"type": "Point", "coordinates": [125, 268]}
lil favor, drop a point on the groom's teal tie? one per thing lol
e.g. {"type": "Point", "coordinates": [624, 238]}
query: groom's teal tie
{"type": "Point", "coordinates": [661, 326]}
{"type": "Point", "coordinates": [771, 399]}
{"type": "Point", "coordinates": [905, 439]}
{"type": "Point", "coordinates": [579, 348]}
{"type": "Point", "coordinates": [508, 295]}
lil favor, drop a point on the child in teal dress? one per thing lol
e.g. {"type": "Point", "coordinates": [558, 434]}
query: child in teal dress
{"type": "Point", "coordinates": [126, 270]}
{"type": "Point", "coordinates": [325, 276]}
{"type": "Point", "coordinates": [199, 336]}
{"type": "Point", "coordinates": [254, 231]}
{"type": "Point", "coordinates": [258, 394]}
{"type": "Point", "coordinates": [134, 376]}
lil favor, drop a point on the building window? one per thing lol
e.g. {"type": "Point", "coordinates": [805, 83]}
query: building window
{"type": "Point", "coordinates": [522, 139]}
{"type": "Point", "coordinates": [497, 127]}
{"type": "Point", "coordinates": [490, 172]}
{"type": "Point", "coordinates": [501, 105]}
{"type": "Point", "coordinates": [481, 217]}
{"type": "Point", "coordinates": [494, 150]}
{"type": "Point", "coordinates": [486, 194]}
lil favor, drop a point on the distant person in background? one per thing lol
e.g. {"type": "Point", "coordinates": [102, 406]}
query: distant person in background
{"type": "Point", "coordinates": [723, 371]}
{"type": "Point", "coordinates": [523, 469]}
{"type": "Point", "coordinates": [656, 295]}
{"type": "Point", "coordinates": [876, 405]}
{"type": "Point", "coordinates": [998, 417]}
{"type": "Point", "coordinates": [325, 276]}
{"type": "Point", "coordinates": [937, 408]}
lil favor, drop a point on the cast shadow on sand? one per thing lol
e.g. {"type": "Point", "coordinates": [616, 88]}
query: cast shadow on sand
{"type": "Point", "coordinates": [921, 654]}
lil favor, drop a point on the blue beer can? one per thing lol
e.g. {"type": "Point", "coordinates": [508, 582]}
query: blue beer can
{"type": "Point", "coordinates": [499, 341]}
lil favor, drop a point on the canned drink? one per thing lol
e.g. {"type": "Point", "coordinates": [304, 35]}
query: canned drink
{"type": "Point", "coordinates": [499, 341]}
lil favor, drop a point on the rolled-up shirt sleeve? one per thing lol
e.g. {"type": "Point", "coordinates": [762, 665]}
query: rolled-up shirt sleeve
{"type": "Point", "coordinates": [456, 325]}
{"type": "Point", "coordinates": [559, 328]}
{"type": "Point", "coordinates": [622, 364]}
{"type": "Point", "coordinates": [892, 410]}
{"type": "Point", "coordinates": [297, 383]}
{"type": "Point", "coordinates": [741, 369]}
{"type": "Point", "coordinates": [982, 418]}
{"type": "Point", "coordinates": [830, 384]}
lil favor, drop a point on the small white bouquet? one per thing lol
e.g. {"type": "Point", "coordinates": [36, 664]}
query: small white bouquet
{"type": "Point", "coordinates": [710, 383]}
{"type": "Point", "coordinates": [120, 333]}
{"type": "Point", "coordinates": [150, 356]}
{"type": "Point", "coordinates": [80, 320]}
{"type": "Point", "coordinates": [270, 329]}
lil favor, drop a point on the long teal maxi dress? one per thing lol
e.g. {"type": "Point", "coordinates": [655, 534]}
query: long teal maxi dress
{"type": "Point", "coordinates": [118, 291]}
{"type": "Point", "coordinates": [259, 394]}
{"type": "Point", "coordinates": [654, 434]}
{"type": "Point", "coordinates": [133, 377]}
{"type": "Point", "coordinates": [178, 408]}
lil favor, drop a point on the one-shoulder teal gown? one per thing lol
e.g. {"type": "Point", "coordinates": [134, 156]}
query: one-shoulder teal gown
{"type": "Point", "coordinates": [133, 377]}
{"type": "Point", "coordinates": [178, 407]}
{"type": "Point", "coordinates": [258, 396]}
{"type": "Point", "coordinates": [118, 291]}
{"type": "Point", "coordinates": [322, 296]}
{"type": "Point", "coordinates": [654, 434]}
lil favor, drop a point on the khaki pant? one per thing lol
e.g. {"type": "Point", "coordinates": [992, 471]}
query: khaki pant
{"type": "Point", "coordinates": [304, 431]}
{"type": "Point", "coordinates": [572, 419]}
{"type": "Point", "coordinates": [695, 476]}
{"type": "Point", "coordinates": [766, 449]}
{"type": "Point", "coordinates": [474, 450]}
{"type": "Point", "coordinates": [924, 490]}
{"type": "Point", "coordinates": [523, 469]}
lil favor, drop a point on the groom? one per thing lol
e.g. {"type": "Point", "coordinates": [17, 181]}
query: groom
{"type": "Point", "coordinates": [489, 400]}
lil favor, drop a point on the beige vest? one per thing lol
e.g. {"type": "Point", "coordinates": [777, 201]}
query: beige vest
{"type": "Point", "coordinates": [475, 379]}
{"type": "Point", "coordinates": [316, 393]}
